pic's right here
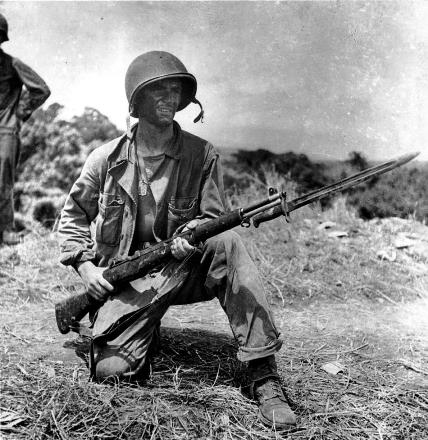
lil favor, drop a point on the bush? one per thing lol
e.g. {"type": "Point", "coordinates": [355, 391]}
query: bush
{"type": "Point", "coordinates": [45, 212]}
{"type": "Point", "coordinates": [53, 150]}
{"type": "Point", "coordinates": [401, 193]}
{"type": "Point", "coordinates": [52, 154]}
{"type": "Point", "coordinates": [296, 167]}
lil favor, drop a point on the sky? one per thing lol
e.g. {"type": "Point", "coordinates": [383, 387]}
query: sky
{"type": "Point", "coordinates": [321, 78]}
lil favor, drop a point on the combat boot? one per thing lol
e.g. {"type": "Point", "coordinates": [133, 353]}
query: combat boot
{"type": "Point", "coordinates": [10, 238]}
{"type": "Point", "coordinates": [266, 390]}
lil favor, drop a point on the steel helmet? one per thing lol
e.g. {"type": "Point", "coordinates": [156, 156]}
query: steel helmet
{"type": "Point", "coordinates": [154, 66]}
{"type": "Point", "coordinates": [3, 26]}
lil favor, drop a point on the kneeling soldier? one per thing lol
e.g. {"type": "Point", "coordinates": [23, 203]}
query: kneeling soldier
{"type": "Point", "coordinates": [142, 188]}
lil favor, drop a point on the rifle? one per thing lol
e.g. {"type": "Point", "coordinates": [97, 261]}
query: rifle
{"type": "Point", "coordinates": [74, 308]}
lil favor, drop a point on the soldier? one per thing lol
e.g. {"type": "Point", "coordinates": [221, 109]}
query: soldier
{"type": "Point", "coordinates": [142, 188]}
{"type": "Point", "coordinates": [15, 108]}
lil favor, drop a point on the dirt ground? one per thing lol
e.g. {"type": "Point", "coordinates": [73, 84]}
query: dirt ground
{"type": "Point", "coordinates": [378, 343]}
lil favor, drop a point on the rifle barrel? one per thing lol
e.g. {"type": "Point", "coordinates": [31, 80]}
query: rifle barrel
{"type": "Point", "coordinates": [261, 203]}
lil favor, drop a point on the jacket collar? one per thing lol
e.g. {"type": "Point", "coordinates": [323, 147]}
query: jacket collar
{"type": "Point", "coordinates": [174, 148]}
{"type": "Point", "coordinates": [123, 166]}
{"type": "Point", "coordinates": [124, 151]}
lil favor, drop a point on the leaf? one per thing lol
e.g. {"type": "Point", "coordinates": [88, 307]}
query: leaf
{"type": "Point", "coordinates": [333, 367]}
{"type": "Point", "coordinates": [338, 234]}
{"type": "Point", "coordinates": [384, 255]}
{"type": "Point", "coordinates": [50, 372]}
{"type": "Point", "coordinates": [326, 225]}
{"type": "Point", "coordinates": [22, 370]}
{"type": "Point", "coordinates": [403, 242]}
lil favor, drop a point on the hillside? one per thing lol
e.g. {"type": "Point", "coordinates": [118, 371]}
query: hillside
{"type": "Point", "coordinates": [342, 290]}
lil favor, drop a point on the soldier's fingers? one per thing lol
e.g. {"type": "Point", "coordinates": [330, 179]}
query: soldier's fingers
{"type": "Point", "coordinates": [174, 249]}
{"type": "Point", "coordinates": [105, 284]}
{"type": "Point", "coordinates": [94, 293]}
{"type": "Point", "coordinates": [175, 241]}
{"type": "Point", "coordinates": [192, 224]}
{"type": "Point", "coordinates": [180, 248]}
{"type": "Point", "coordinates": [187, 246]}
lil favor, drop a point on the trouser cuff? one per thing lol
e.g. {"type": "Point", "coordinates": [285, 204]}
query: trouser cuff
{"type": "Point", "coordinates": [246, 354]}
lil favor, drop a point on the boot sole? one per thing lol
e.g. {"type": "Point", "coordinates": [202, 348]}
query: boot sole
{"type": "Point", "coordinates": [270, 424]}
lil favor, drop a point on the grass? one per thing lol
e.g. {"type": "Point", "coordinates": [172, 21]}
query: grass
{"type": "Point", "coordinates": [333, 299]}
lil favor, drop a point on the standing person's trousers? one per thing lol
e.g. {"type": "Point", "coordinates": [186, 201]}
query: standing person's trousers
{"type": "Point", "coordinates": [223, 270]}
{"type": "Point", "coordinates": [9, 154]}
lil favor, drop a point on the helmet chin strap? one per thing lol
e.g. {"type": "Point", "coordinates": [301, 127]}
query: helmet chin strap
{"type": "Point", "coordinates": [128, 134]}
{"type": "Point", "coordinates": [200, 117]}
{"type": "Point", "coordinates": [128, 127]}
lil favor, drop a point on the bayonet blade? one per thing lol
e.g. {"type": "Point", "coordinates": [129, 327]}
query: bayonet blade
{"type": "Point", "coordinates": [350, 181]}
{"type": "Point", "coordinates": [341, 185]}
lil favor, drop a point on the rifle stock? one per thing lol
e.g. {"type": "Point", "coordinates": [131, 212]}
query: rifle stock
{"type": "Point", "coordinates": [73, 309]}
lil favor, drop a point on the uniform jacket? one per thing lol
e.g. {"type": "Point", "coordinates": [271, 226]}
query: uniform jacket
{"type": "Point", "coordinates": [106, 195]}
{"type": "Point", "coordinates": [14, 74]}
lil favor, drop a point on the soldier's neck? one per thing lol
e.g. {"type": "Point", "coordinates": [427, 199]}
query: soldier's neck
{"type": "Point", "coordinates": [152, 140]}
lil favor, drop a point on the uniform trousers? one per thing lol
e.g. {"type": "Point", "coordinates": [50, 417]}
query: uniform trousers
{"type": "Point", "coordinates": [223, 269]}
{"type": "Point", "coordinates": [9, 154]}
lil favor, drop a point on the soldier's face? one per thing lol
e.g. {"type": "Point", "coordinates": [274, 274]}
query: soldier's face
{"type": "Point", "coordinates": [158, 102]}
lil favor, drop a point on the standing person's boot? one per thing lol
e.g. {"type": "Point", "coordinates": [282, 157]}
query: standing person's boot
{"type": "Point", "coordinates": [9, 238]}
{"type": "Point", "coordinates": [266, 390]}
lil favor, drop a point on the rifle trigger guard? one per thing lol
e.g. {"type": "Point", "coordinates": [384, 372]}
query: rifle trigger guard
{"type": "Point", "coordinates": [245, 223]}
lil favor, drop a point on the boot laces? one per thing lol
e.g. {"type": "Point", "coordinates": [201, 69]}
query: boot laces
{"type": "Point", "coordinates": [269, 390]}
{"type": "Point", "coordinates": [276, 388]}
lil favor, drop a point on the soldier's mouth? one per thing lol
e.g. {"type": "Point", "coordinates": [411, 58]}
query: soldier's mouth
{"type": "Point", "coordinates": [166, 111]}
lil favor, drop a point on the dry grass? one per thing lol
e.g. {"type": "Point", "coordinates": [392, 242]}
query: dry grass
{"type": "Point", "coordinates": [333, 299]}
{"type": "Point", "coordinates": [193, 393]}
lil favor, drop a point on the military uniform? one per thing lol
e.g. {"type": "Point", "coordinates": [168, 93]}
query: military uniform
{"type": "Point", "coordinates": [131, 202]}
{"type": "Point", "coordinates": [107, 193]}
{"type": "Point", "coordinates": [15, 107]}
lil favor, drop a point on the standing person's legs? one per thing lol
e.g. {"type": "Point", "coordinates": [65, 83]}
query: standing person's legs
{"type": "Point", "coordinates": [9, 153]}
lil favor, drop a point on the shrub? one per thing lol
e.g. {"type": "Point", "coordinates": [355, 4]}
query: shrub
{"type": "Point", "coordinates": [298, 167]}
{"type": "Point", "coordinates": [401, 193]}
{"type": "Point", "coordinates": [45, 212]}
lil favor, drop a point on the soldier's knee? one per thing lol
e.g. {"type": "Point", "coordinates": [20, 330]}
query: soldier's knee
{"type": "Point", "coordinates": [226, 238]}
{"type": "Point", "coordinates": [111, 366]}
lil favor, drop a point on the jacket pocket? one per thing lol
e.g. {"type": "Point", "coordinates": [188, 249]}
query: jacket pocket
{"type": "Point", "coordinates": [180, 211]}
{"type": "Point", "coordinates": [109, 221]}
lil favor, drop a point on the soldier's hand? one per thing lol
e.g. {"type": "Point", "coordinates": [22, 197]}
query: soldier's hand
{"type": "Point", "coordinates": [180, 247]}
{"type": "Point", "coordinates": [97, 286]}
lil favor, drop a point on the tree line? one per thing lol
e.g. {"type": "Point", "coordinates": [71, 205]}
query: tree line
{"type": "Point", "coordinates": [53, 151]}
